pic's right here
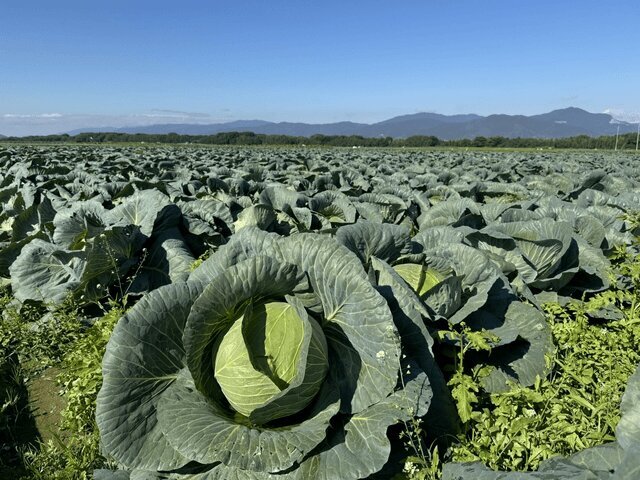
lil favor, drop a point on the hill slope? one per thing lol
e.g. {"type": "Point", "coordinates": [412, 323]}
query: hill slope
{"type": "Point", "coordinates": [565, 122]}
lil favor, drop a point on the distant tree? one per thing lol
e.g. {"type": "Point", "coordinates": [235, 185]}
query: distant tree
{"type": "Point", "coordinates": [495, 141]}
{"type": "Point", "coordinates": [479, 142]}
{"type": "Point", "coordinates": [422, 141]}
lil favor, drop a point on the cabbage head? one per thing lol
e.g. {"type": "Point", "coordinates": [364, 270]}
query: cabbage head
{"type": "Point", "coordinates": [276, 359]}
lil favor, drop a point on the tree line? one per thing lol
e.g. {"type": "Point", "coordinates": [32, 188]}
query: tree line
{"type": "Point", "coordinates": [624, 142]}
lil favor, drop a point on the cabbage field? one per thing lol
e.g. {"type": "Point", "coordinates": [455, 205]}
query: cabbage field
{"type": "Point", "coordinates": [300, 313]}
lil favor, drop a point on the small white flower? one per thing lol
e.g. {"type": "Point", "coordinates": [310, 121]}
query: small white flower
{"type": "Point", "coordinates": [381, 354]}
{"type": "Point", "coordinates": [410, 468]}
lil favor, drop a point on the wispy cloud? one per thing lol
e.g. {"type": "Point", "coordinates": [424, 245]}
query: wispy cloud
{"type": "Point", "coordinates": [179, 113]}
{"type": "Point", "coordinates": [20, 124]}
{"type": "Point", "coordinates": [38, 115]}
{"type": "Point", "coordinates": [623, 115]}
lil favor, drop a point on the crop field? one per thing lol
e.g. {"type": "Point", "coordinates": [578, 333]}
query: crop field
{"type": "Point", "coordinates": [232, 313]}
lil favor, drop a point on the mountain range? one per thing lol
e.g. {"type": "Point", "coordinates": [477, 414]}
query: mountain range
{"type": "Point", "coordinates": [561, 123]}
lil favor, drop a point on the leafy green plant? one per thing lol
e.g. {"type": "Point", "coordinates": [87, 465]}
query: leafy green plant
{"type": "Point", "coordinates": [31, 340]}
{"type": "Point", "coordinates": [72, 458]}
{"type": "Point", "coordinates": [577, 406]}
{"type": "Point", "coordinates": [39, 338]}
{"type": "Point", "coordinates": [314, 356]}
{"type": "Point", "coordinates": [13, 410]}
{"type": "Point", "coordinates": [422, 467]}
{"type": "Point", "coordinates": [75, 452]}
{"type": "Point", "coordinates": [458, 250]}
{"type": "Point", "coordinates": [81, 376]}
{"type": "Point", "coordinates": [466, 386]}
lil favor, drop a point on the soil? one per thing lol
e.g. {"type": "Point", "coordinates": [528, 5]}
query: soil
{"type": "Point", "coordinates": [46, 404]}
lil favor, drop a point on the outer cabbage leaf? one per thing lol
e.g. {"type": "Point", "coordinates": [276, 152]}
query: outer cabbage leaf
{"type": "Point", "coordinates": [109, 257]}
{"type": "Point", "coordinates": [169, 260]}
{"type": "Point", "coordinates": [261, 216]}
{"type": "Point", "coordinates": [207, 216]}
{"type": "Point", "coordinates": [143, 209]}
{"type": "Point", "coordinates": [366, 239]}
{"type": "Point", "coordinates": [104, 474]}
{"type": "Point", "coordinates": [524, 340]}
{"type": "Point", "coordinates": [410, 315]}
{"type": "Point", "coordinates": [44, 272]}
{"type": "Point", "coordinates": [361, 447]}
{"type": "Point", "coordinates": [334, 206]}
{"type": "Point", "coordinates": [477, 272]}
{"type": "Point", "coordinates": [48, 273]}
{"type": "Point", "coordinates": [247, 243]}
{"type": "Point", "coordinates": [435, 237]}
{"type": "Point", "coordinates": [73, 226]}
{"type": "Point", "coordinates": [278, 196]}
{"type": "Point", "coordinates": [364, 355]}
{"type": "Point", "coordinates": [206, 432]}
{"type": "Point", "coordinates": [454, 212]}
{"type": "Point", "coordinates": [10, 251]}
{"type": "Point", "coordinates": [143, 358]}
{"type": "Point", "coordinates": [628, 429]}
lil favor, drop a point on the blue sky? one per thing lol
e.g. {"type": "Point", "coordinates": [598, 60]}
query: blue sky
{"type": "Point", "coordinates": [69, 63]}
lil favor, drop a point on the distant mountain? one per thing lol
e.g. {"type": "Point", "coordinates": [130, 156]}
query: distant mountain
{"type": "Point", "coordinates": [566, 122]}
{"type": "Point", "coordinates": [416, 124]}
{"type": "Point", "coordinates": [181, 128]}
{"type": "Point", "coordinates": [3, 136]}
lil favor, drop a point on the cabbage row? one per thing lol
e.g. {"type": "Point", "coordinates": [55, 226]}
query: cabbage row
{"type": "Point", "coordinates": [297, 304]}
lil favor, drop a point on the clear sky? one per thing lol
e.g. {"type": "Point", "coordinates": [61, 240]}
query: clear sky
{"type": "Point", "coordinates": [135, 62]}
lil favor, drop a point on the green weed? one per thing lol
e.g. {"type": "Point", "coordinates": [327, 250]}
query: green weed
{"type": "Point", "coordinates": [81, 378]}
{"type": "Point", "coordinates": [574, 408]}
